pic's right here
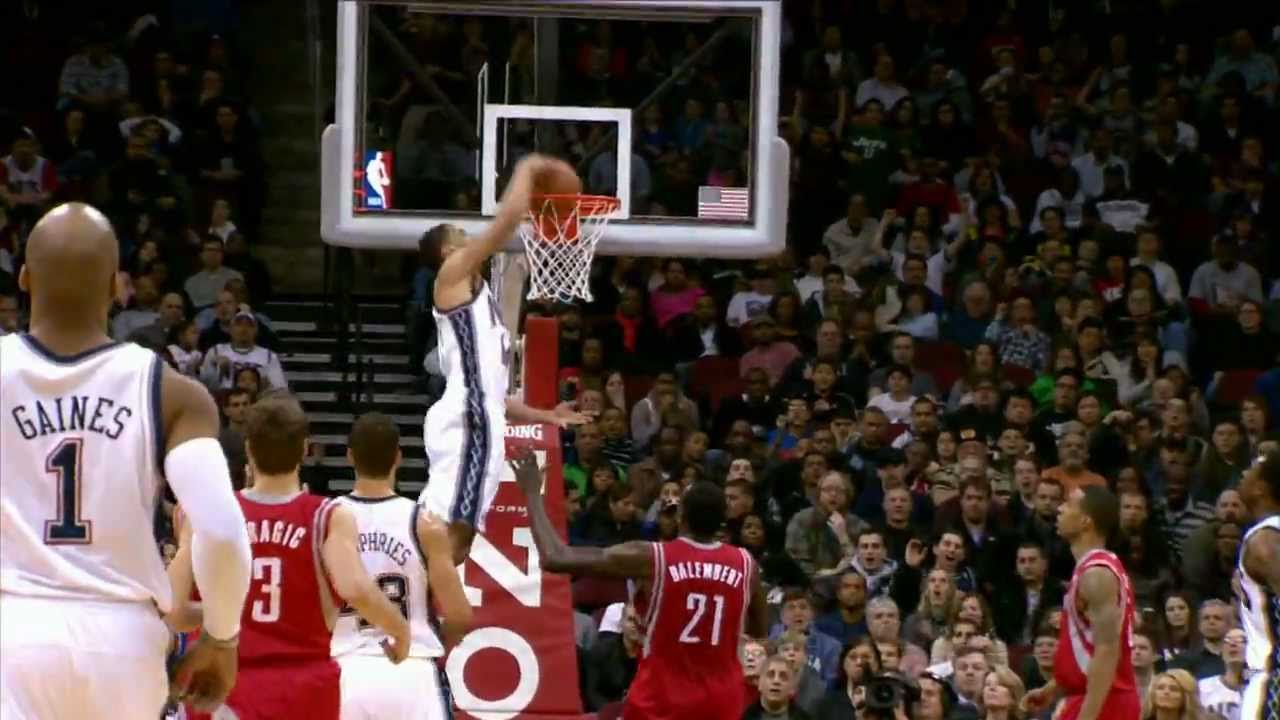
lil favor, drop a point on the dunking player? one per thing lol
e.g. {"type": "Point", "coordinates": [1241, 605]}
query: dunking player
{"type": "Point", "coordinates": [1260, 588]}
{"type": "Point", "coordinates": [88, 431]}
{"type": "Point", "coordinates": [1093, 668]}
{"type": "Point", "coordinates": [407, 552]}
{"type": "Point", "coordinates": [701, 595]}
{"type": "Point", "coordinates": [465, 429]}
{"type": "Point", "coordinates": [305, 563]}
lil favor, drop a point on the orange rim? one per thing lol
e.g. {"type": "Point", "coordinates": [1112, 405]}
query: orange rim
{"type": "Point", "coordinates": [588, 205]}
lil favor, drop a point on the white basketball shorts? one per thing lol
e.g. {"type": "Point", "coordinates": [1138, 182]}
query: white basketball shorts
{"type": "Point", "coordinates": [69, 660]}
{"type": "Point", "coordinates": [375, 689]}
{"type": "Point", "coordinates": [466, 454]}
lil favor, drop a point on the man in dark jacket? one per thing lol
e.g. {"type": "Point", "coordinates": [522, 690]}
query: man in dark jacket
{"type": "Point", "coordinates": [1018, 613]}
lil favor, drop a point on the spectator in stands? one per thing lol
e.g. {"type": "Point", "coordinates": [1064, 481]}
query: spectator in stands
{"type": "Point", "coordinates": [860, 660]}
{"type": "Point", "coordinates": [144, 310]}
{"type": "Point", "coordinates": [94, 78]}
{"type": "Point", "coordinates": [203, 287]}
{"type": "Point", "coordinates": [821, 538]}
{"type": "Point", "coordinates": [183, 348]}
{"type": "Point", "coordinates": [1172, 696]}
{"type": "Point", "coordinates": [902, 351]}
{"type": "Point", "coordinates": [777, 689]}
{"type": "Point", "coordinates": [1073, 457]}
{"type": "Point", "coordinates": [848, 621]}
{"type": "Point", "coordinates": [675, 296]}
{"type": "Point", "coordinates": [768, 354]}
{"type": "Point", "coordinates": [229, 162]}
{"type": "Point", "coordinates": [1220, 285]}
{"type": "Point", "coordinates": [1215, 618]}
{"type": "Point", "coordinates": [27, 181]}
{"type": "Point", "coordinates": [849, 240]}
{"type": "Point", "coordinates": [10, 316]}
{"type": "Point", "coordinates": [223, 361]}
{"type": "Point", "coordinates": [1223, 694]}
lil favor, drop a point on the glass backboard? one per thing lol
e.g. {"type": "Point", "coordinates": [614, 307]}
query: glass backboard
{"type": "Point", "coordinates": [436, 101]}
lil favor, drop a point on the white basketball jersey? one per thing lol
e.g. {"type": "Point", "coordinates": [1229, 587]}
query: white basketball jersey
{"type": "Point", "coordinates": [80, 472]}
{"type": "Point", "coordinates": [388, 544]}
{"type": "Point", "coordinates": [1259, 608]}
{"type": "Point", "coordinates": [473, 354]}
{"type": "Point", "coordinates": [1216, 697]}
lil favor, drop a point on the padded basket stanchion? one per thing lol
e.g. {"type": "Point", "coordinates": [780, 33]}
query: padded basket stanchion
{"type": "Point", "coordinates": [560, 243]}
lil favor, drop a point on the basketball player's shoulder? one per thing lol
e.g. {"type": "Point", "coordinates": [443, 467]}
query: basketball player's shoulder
{"type": "Point", "coordinates": [185, 405]}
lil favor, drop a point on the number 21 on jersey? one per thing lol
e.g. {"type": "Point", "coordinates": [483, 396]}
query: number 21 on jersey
{"type": "Point", "coordinates": [694, 630]}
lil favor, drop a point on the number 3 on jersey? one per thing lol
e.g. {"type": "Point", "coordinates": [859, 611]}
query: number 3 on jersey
{"type": "Point", "coordinates": [697, 602]}
{"type": "Point", "coordinates": [268, 572]}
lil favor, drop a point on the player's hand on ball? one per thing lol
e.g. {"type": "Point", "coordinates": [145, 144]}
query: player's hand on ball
{"type": "Point", "coordinates": [206, 674]}
{"type": "Point", "coordinates": [528, 474]}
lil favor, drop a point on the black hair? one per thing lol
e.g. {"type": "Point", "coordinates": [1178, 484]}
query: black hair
{"type": "Point", "coordinates": [833, 270]}
{"type": "Point", "coordinates": [431, 245]}
{"type": "Point", "coordinates": [1102, 507]}
{"type": "Point", "coordinates": [703, 508]}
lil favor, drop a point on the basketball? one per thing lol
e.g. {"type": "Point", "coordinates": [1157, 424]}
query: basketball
{"type": "Point", "coordinates": [560, 179]}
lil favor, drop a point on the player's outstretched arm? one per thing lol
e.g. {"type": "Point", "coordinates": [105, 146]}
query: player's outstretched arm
{"type": "Point", "coordinates": [186, 615]}
{"type": "Point", "coordinates": [196, 469]}
{"type": "Point", "coordinates": [627, 560]}
{"type": "Point", "coordinates": [442, 577]}
{"type": "Point", "coordinates": [453, 282]}
{"type": "Point", "coordinates": [1101, 591]}
{"type": "Point", "coordinates": [563, 414]}
{"type": "Point", "coordinates": [1262, 558]}
{"type": "Point", "coordinates": [353, 584]}
{"type": "Point", "coordinates": [218, 550]}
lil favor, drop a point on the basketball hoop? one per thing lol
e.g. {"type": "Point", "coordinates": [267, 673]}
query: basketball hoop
{"type": "Point", "coordinates": [560, 243]}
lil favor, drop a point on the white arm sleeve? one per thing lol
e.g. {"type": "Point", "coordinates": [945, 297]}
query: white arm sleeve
{"type": "Point", "coordinates": [220, 558]}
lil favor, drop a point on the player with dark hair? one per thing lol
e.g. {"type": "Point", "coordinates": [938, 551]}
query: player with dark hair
{"type": "Point", "coordinates": [1260, 587]}
{"type": "Point", "coordinates": [409, 554]}
{"type": "Point", "coordinates": [464, 430]}
{"type": "Point", "coordinates": [306, 566]}
{"type": "Point", "coordinates": [697, 597]}
{"type": "Point", "coordinates": [1093, 666]}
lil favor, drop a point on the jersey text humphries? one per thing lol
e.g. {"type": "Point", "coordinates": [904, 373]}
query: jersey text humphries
{"type": "Point", "coordinates": [385, 544]}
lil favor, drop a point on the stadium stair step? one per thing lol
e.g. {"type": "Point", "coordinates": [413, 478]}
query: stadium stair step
{"type": "Point", "coordinates": [382, 354]}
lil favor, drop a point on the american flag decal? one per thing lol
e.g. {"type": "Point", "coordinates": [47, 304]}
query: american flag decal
{"type": "Point", "coordinates": [724, 203]}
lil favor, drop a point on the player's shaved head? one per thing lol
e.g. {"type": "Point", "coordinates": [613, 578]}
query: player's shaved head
{"type": "Point", "coordinates": [71, 262]}
{"type": "Point", "coordinates": [702, 509]}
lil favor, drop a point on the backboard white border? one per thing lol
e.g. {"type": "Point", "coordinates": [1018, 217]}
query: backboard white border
{"type": "Point", "coordinates": [496, 112]}
{"type": "Point", "coordinates": [765, 235]}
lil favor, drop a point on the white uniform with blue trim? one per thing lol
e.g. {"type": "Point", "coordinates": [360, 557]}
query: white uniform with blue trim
{"type": "Point", "coordinates": [1260, 612]}
{"type": "Point", "coordinates": [465, 429]}
{"type": "Point", "coordinates": [82, 583]}
{"type": "Point", "coordinates": [373, 688]}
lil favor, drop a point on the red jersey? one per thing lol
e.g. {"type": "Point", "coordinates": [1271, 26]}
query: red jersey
{"type": "Point", "coordinates": [291, 607]}
{"type": "Point", "coordinates": [692, 618]}
{"type": "Point", "coordinates": [1075, 646]}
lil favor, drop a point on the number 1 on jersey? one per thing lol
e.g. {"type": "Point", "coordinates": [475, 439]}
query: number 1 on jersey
{"type": "Point", "coordinates": [697, 602]}
{"type": "Point", "coordinates": [66, 527]}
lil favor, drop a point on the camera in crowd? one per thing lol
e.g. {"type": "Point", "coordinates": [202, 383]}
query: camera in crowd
{"type": "Point", "coordinates": [885, 693]}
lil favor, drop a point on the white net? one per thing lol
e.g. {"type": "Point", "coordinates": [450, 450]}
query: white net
{"type": "Point", "coordinates": [560, 243]}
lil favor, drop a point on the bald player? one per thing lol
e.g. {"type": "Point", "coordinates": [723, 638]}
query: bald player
{"type": "Point", "coordinates": [89, 428]}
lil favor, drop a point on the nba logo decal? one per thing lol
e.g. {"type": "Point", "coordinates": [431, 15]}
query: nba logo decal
{"type": "Point", "coordinates": [373, 181]}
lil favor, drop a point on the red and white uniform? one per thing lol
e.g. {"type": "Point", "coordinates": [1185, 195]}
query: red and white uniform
{"type": "Point", "coordinates": [40, 178]}
{"type": "Point", "coordinates": [287, 623]}
{"type": "Point", "coordinates": [1075, 646]}
{"type": "Point", "coordinates": [692, 618]}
